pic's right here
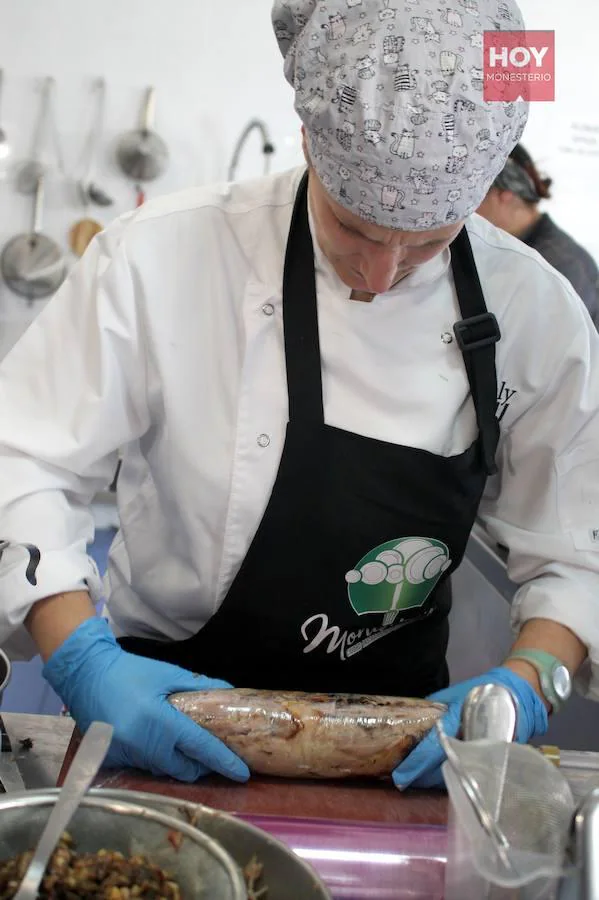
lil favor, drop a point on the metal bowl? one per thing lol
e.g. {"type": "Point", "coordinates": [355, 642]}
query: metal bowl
{"type": "Point", "coordinates": [285, 874]}
{"type": "Point", "coordinates": [201, 867]}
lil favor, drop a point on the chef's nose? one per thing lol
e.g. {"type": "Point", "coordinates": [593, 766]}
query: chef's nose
{"type": "Point", "coordinates": [378, 267]}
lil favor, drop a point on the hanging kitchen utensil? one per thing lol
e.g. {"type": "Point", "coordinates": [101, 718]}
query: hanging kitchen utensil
{"type": "Point", "coordinates": [33, 265]}
{"type": "Point", "coordinates": [46, 129]}
{"type": "Point", "coordinates": [82, 233]}
{"type": "Point", "coordinates": [84, 230]}
{"type": "Point", "coordinates": [4, 145]}
{"type": "Point", "coordinates": [141, 154]}
{"type": "Point", "coordinates": [89, 190]}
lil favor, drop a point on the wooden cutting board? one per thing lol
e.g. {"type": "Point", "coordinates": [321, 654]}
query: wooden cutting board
{"type": "Point", "coordinates": [363, 801]}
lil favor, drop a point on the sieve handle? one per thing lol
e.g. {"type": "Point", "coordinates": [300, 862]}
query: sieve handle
{"type": "Point", "coordinates": [38, 206]}
{"type": "Point", "coordinates": [41, 129]}
{"type": "Point", "coordinates": [149, 111]}
{"type": "Point", "coordinates": [470, 788]}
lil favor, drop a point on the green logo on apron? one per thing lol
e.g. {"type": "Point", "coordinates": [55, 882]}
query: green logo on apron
{"type": "Point", "coordinates": [397, 576]}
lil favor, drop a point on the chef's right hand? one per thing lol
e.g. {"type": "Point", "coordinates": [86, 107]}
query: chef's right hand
{"type": "Point", "coordinates": [98, 681]}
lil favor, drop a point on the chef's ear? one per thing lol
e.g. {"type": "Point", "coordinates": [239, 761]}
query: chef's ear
{"type": "Point", "coordinates": [305, 146]}
{"type": "Point", "coordinates": [507, 199]}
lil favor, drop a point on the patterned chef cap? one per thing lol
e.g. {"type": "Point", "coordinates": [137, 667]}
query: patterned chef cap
{"type": "Point", "coordinates": [391, 96]}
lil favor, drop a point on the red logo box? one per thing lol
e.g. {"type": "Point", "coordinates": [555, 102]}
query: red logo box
{"type": "Point", "coordinates": [519, 65]}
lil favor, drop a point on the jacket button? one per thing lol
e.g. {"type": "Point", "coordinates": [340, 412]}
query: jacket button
{"type": "Point", "coordinates": [268, 309]}
{"type": "Point", "coordinates": [263, 440]}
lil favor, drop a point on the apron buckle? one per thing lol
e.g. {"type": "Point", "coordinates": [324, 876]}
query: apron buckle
{"type": "Point", "coordinates": [476, 332]}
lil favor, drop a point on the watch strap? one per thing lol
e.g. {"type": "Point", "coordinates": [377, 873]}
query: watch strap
{"type": "Point", "coordinates": [545, 664]}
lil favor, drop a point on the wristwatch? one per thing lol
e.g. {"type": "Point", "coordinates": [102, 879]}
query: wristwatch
{"type": "Point", "coordinates": [556, 683]}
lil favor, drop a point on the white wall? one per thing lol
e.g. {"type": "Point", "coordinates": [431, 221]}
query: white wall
{"type": "Point", "coordinates": [216, 65]}
{"type": "Point", "coordinates": [563, 137]}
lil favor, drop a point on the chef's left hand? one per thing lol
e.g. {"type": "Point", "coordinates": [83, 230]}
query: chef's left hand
{"type": "Point", "coordinates": [422, 767]}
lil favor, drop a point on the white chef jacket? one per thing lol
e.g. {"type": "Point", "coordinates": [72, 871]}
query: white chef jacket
{"type": "Point", "coordinates": [167, 341]}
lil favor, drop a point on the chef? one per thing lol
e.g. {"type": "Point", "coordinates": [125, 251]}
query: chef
{"type": "Point", "coordinates": [513, 202]}
{"type": "Point", "coordinates": [317, 381]}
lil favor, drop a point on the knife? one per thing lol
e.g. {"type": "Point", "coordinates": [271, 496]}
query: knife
{"type": "Point", "coordinates": [10, 775]}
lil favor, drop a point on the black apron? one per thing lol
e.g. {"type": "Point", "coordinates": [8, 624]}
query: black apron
{"type": "Point", "coordinates": [345, 586]}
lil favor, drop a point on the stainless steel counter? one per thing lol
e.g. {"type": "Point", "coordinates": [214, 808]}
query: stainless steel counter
{"type": "Point", "coordinates": [50, 735]}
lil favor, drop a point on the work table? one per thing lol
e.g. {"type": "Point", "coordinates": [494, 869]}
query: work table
{"type": "Point", "coordinates": [358, 836]}
{"type": "Point", "coordinates": [50, 736]}
{"type": "Point", "coordinates": [354, 801]}
{"type": "Point", "coordinates": [349, 801]}
{"type": "Point", "coordinates": [364, 838]}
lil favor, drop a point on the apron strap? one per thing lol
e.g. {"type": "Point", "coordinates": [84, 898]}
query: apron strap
{"type": "Point", "coordinates": [476, 334]}
{"type": "Point", "coordinates": [300, 318]}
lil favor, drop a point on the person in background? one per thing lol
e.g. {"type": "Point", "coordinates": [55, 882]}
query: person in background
{"type": "Point", "coordinates": [318, 380]}
{"type": "Point", "coordinates": [512, 203]}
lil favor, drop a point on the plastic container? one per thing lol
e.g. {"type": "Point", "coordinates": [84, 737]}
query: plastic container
{"type": "Point", "coordinates": [468, 847]}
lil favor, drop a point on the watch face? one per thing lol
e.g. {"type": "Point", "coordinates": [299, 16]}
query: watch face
{"type": "Point", "coordinates": [562, 683]}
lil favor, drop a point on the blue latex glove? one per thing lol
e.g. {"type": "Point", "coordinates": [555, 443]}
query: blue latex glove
{"type": "Point", "coordinates": [97, 680]}
{"type": "Point", "coordinates": [422, 767]}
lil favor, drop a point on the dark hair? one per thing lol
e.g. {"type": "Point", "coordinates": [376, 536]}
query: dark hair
{"type": "Point", "coordinates": [523, 159]}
